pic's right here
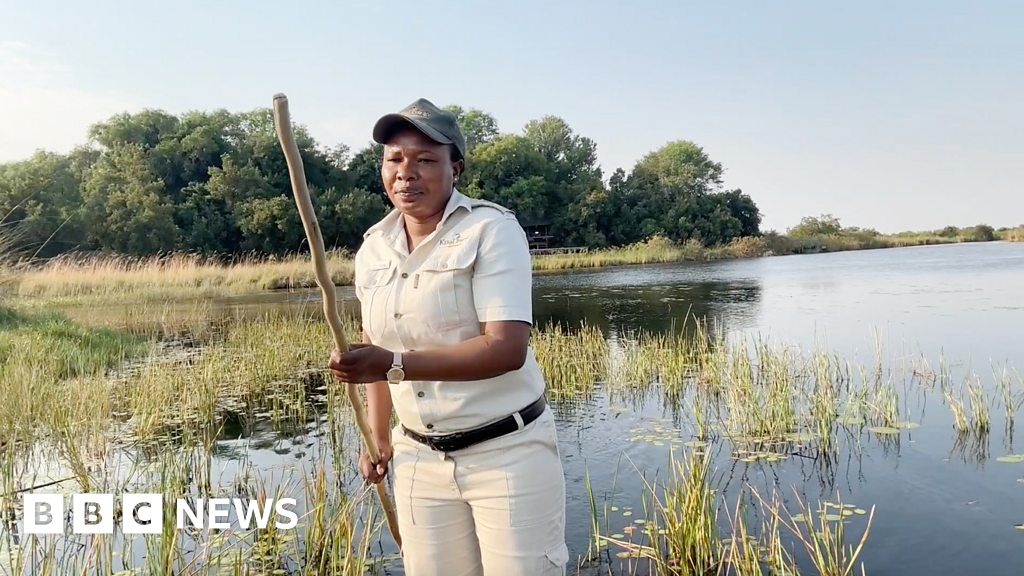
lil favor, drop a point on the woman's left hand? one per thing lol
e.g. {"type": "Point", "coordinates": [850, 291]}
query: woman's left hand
{"type": "Point", "coordinates": [362, 364]}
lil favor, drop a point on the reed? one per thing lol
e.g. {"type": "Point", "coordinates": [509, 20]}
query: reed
{"type": "Point", "coordinates": [822, 534]}
{"type": "Point", "coordinates": [687, 512]}
{"type": "Point", "coordinates": [956, 407]}
{"type": "Point", "coordinates": [172, 275]}
{"type": "Point", "coordinates": [572, 361]}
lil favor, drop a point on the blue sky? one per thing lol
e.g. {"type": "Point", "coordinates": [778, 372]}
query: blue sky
{"type": "Point", "coordinates": [896, 116]}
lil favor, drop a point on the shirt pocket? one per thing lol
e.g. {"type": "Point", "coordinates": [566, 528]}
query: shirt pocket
{"type": "Point", "coordinates": [374, 285]}
{"type": "Point", "coordinates": [445, 294]}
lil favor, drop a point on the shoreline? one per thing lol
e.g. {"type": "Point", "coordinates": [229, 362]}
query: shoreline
{"type": "Point", "coordinates": [173, 276]}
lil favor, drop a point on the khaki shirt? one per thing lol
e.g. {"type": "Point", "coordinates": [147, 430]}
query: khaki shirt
{"type": "Point", "coordinates": [475, 267]}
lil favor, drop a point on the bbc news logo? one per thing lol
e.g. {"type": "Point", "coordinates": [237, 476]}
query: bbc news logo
{"type": "Point", "coordinates": [144, 513]}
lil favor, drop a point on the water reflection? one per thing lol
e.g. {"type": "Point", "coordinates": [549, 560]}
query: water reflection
{"type": "Point", "coordinates": [655, 308]}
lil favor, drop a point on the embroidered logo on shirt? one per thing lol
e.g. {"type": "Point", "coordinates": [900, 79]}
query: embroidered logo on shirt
{"type": "Point", "coordinates": [453, 240]}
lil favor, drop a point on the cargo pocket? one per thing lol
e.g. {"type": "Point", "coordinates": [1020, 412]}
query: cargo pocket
{"type": "Point", "coordinates": [557, 555]}
{"type": "Point", "coordinates": [374, 285]}
{"type": "Point", "coordinates": [536, 484]}
{"type": "Point", "coordinates": [445, 290]}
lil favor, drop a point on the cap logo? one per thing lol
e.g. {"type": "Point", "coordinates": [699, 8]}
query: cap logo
{"type": "Point", "coordinates": [417, 111]}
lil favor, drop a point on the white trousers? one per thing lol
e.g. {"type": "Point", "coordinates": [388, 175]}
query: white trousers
{"type": "Point", "coordinates": [494, 509]}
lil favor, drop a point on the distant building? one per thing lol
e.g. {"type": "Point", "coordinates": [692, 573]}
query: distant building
{"type": "Point", "coordinates": [538, 234]}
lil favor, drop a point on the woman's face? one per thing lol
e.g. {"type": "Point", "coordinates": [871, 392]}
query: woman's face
{"type": "Point", "coordinates": [418, 173]}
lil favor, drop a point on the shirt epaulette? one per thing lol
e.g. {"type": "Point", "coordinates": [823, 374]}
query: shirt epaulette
{"type": "Point", "coordinates": [477, 202]}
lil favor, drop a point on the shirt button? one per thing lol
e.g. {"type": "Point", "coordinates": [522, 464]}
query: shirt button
{"type": "Point", "coordinates": [405, 274]}
{"type": "Point", "coordinates": [421, 394]}
{"type": "Point", "coordinates": [397, 315]}
{"type": "Point", "coordinates": [430, 426]}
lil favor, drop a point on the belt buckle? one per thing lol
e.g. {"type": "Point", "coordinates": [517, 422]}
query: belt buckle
{"type": "Point", "coordinates": [436, 444]}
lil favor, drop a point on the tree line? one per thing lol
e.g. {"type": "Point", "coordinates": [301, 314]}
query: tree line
{"type": "Point", "coordinates": [217, 183]}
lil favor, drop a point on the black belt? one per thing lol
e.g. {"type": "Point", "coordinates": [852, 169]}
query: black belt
{"type": "Point", "coordinates": [466, 438]}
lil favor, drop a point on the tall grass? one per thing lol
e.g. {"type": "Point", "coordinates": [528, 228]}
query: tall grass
{"type": "Point", "coordinates": [183, 275]}
{"type": "Point", "coordinates": [687, 512]}
{"type": "Point", "coordinates": [822, 534]}
{"type": "Point", "coordinates": [173, 275]}
{"type": "Point", "coordinates": [1011, 234]}
{"type": "Point", "coordinates": [573, 361]}
{"type": "Point", "coordinates": [52, 373]}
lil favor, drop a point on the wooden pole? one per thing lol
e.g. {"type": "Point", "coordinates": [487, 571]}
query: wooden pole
{"type": "Point", "coordinates": [283, 125]}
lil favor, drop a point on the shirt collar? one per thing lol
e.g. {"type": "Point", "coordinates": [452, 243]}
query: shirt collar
{"type": "Point", "coordinates": [391, 224]}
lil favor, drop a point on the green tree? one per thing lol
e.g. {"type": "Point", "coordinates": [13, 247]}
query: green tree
{"type": "Point", "coordinates": [675, 191]}
{"type": "Point", "coordinates": [949, 232]}
{"type": "Point", "coordinates": [742, 207]}
{"type": "Point", "coordinates": [982, 233]}
{"type": "Point", "coordinates": [681, 166]}
{"type": "Point", "coordinates": [510, 171]}
{"type": "Point", "coordinates": [478, 127]}
{"type": "Point", "coordinates": [347, 215]}
{"type": "Point", "coordinates": [124, 205]}
{"type": "Point", "coordinates": [143, 129]}
{"type": "Point", "coordinates": [206, 223]}
{"type": "Point", "coordinates": [42, 195]}
{"type": "Point", "coordinates": [824, 225]}
{"type": "Point", "coordinates": [270, 225]}
{"type": "Point", "coordinates": [364, 170]}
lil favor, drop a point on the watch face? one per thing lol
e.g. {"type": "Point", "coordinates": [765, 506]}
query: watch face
{"type": "Point", "coordinates": [396, 375]}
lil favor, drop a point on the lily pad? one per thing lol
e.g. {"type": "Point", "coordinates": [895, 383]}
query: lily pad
{"type": "Point", "coordinates": [1011, 458]}
{"type": "Point", "coordinates": [884, 430]}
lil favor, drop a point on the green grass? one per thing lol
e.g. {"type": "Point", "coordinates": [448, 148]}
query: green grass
{"type": "Point", "coordinates": [39, 352]}
{"type": "Point", "coordinates": [85, 388]}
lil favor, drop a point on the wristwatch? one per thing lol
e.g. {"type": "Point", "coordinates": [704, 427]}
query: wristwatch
{"type": "Point", "coordinates": [396, 374]}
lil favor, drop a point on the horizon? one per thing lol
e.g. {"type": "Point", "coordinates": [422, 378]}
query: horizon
{"type": "Point", "coordinates": [873, 114]}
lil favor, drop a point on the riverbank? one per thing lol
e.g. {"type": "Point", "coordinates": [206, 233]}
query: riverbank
{"type": "Point", "coordinates": [188, 275]}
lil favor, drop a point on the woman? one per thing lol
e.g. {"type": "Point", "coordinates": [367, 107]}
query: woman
{"type": "Point", "coordinates": [444, 284]}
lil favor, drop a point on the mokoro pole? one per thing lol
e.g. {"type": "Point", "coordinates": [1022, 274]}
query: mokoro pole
{"type": "Point", "coordinates": [283, 125]}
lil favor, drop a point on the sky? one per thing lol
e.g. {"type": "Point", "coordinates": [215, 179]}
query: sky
{"type": "Point", "coordinates": [890, 115]}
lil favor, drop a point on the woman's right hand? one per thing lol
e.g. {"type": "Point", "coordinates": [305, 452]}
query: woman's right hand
{"type": "Point", "coordinates": [375, 471]}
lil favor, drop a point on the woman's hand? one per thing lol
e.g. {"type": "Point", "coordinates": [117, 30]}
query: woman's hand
{"type": "Point", "coordinates": [373, 472]}
{"type": "Point", "coordinates": [362, 364]}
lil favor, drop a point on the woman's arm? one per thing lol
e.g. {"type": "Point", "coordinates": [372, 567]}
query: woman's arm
{"type": "Point", "coordinates": [500, 349]}
{"type": "Point", "coordinates": [378, 407]}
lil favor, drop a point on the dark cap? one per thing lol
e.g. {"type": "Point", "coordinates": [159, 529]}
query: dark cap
{"type": "Point", "coordinates": [437, 124]}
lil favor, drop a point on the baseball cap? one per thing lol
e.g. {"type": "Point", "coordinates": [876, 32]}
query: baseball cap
{"type": "Point", "coordinates": [437, 124]}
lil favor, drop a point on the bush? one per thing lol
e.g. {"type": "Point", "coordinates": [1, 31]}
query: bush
{"type": "Point", "coordinates": [746, 247]}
